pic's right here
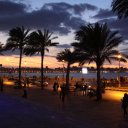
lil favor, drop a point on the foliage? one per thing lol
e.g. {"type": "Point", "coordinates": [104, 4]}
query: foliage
{"type": "Point", "coordinates": [120, 7]}
{"type": "Point", "coordinates": [97, 43]}
{"type": "Point", "coordinates": [1, 48]}
{"type": "Point", "coordinates": [38, 42]}
{"type": "Point", "coordinates": [18, 37]}
{"type": "Point", "coordinates": [70, 58]}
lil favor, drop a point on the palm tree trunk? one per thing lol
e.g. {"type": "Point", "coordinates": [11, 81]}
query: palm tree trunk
{"type": "Point", "coordinates": [42, 70]}
{"type": "Point", "coordinates": [99, 91]}
{"type": "Point", "coordinates": [20, 68]}
{"type": "Point", "coordinates": [67, 76]}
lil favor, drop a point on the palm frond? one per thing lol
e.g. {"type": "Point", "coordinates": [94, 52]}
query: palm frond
{"type": "Point", "coordinates": [120, 7]}
{"type": "Point", "coordinates": [97, 43]}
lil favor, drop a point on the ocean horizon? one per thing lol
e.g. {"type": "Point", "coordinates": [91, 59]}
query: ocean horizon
{"type": "Point", "coordinates": [108, 75]}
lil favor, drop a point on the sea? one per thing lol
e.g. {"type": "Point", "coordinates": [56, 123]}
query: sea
{"type": "Point", "coordinates": [107, 75]}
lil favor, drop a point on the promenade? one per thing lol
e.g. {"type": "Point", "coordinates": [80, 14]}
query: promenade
{"type": "Point", "coordinates": [44, 109]}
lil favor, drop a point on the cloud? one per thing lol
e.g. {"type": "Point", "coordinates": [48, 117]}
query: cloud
{"type": "Point", "coordinates": [50, 16]}
{"type": "Point", "coordinates": [118, 25]}
{"type": "Point", "coordinates": [113, 22]}
{"type": "Point", "coordinates": [10, 53]}
{"type": "Point", "coordinates": [51, 52]}
{"type": "Point", "coordinates": [77, 8]}
{"type": "Point", "coordinates": [121, 26]}
{"type": "Point", "coordinates": [104, 13]}
{"type": "Point", "coordinates": [17, 53]}
{"type": "Point", "coordinates": [8, 8]}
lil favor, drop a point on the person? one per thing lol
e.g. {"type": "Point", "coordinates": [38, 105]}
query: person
{"type": "Point", "coordinates": [103, 84]}
{"type": "Point", "coordinates": [57, 86]}
{"type": "Point", "coordinates": [27, 81]}
{"type": "Point", "coordinates": [84, 88]}
{"type": "Point", "coordinates": [125, 104]}
{"type": "Point", "coordinates": [24, 91]}
{"type": "Point", "coordinates": [63, 92]}
{"type": "Point", "coordinates": [54, 86]}
{"type": "Point", "coordinates": [76, 88]}
{"type": "Point", "coordinates": [1, 85]}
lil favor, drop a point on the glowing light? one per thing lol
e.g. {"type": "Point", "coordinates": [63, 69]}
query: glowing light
{"type": "Point", "coordinates": [9, 82]}
{"type": "Point", "coordinates": [84, 70]}
{"type": "Point", "coordinates": [119, 56]}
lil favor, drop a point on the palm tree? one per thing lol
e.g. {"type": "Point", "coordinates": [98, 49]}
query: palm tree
{"type": "Point", "coordinates": [70, 58]}
{"type": "Point", "coordinates": [38, 42]}
{"type": "Point", "coordinates": [97, 44]}
{"type": "Point", "coordinates": [120, 7]}
{"type": "Point", "coordinates": [17, 39]}
{"type": "Point", "coordinates": [1, 48]}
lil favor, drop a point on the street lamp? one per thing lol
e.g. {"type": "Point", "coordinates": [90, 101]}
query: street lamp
{"type": "Point", "coordinates": [63, 69]}
{"type": "Point", "coordinates": [119, 57]}
{"type": "Point", "coordinates": [25, 63]}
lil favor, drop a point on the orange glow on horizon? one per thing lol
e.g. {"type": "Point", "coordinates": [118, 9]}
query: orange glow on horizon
{"type": "Point", "coordinates": [51, 62]}
{"type": "Point", "coordinates": [34, 61]}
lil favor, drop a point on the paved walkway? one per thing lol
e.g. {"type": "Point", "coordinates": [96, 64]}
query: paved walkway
{"type": "Point", "coordinates": [20, 113]}
{"type": "Point", "coordinates": [44, 109]}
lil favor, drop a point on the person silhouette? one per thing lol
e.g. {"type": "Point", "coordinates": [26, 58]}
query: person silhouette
{"type": "Point", "coordinates": [125, 104]}
{"type": "Point", "coordinates": [63, 92]}
{"type": "Point", "coordinates": [1, 85]}
{"type": "Point", "coordinates": [24, 90]}
{"type": "Point", "coordinates": [55, 86]}
{"type": "Point", "coordinates": [27, 81]}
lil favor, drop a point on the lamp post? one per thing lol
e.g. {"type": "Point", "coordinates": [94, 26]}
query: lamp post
{"type": "Point", "coordinates": [63, 69]}
{"type": "Point", "coordinates": [25, 63]}
{"type": "Point", "coordinates": [119, 57]}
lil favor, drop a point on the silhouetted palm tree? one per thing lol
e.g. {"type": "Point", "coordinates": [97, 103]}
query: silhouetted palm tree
{"type": "Point", "coordinates": [70, 58]}
{"type": "Point", "coordinates": [97, 44]}
{"type": "Point", "coordinates": [39, 41]}
{"type": "Point", "coordinates": [17, 39]}
{"type": "Point", "coordinates": [1, 48]}
{"type": "Point", "coordinates": [120, 7]}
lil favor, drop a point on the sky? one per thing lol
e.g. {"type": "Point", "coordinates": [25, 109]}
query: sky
{"type": "Point", "coordinates": [62, 17]}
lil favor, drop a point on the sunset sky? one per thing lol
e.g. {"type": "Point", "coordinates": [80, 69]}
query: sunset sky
{"type": "Point", "coordinates": [62, 17]}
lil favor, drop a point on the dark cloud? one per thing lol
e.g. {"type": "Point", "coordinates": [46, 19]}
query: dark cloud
{"type": "Point", "coordinates": [77, 8]}
{"type": "Point", "coordinates": [38, 20]}
{"type": "Point", "coordinates": [107, 16]}
{"type": "Point", "coordinates": [9, 52]}
{"type": "Point", "coordinates": [59, 47]}
{"type": "Point", "coordinates": [121, 26]}
{"type": "Point", "coordinates": [75, 22]}
{"type": "Point", "coordinates": [117, 25]}
{"type": "Point", "coordinates": [104, 13]}
{"type": "Point", "coordinates": [50, 16]}
{"type": "Point", "coordinates": [8, 8]}
{"type": "Point", "coordinates": [17, 53]}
